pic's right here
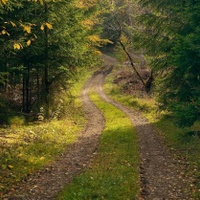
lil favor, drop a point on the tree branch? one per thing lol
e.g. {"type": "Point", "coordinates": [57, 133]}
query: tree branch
{"type": "Point", "coordinates": [132, 64]}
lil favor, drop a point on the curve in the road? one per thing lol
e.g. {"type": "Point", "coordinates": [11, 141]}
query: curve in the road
{"type": "Point", "coordinates": [160, 176]}
{"type": "Point", "coordinates": [47, 183]}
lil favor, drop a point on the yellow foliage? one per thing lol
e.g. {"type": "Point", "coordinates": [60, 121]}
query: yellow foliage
{"type": "Point", "coordinates": [27, 28]}
{"type": "Point", "coordinates": [84, 3]}
{"type": "Point", "coordinates": [13, 24]}
{"type": "Point", "coordinates": [49, 26]}
{"type": "Point", "coordinates": [35, 36]}
{"type": "Point", "coordinates": [98, 52]}
{"type": "Point", "coordinates": [96, 40]}
{"type": "Point", "coordinates": [105, 41]}
{"type": "Point", "coordinates": [123, 39]}
{"type": "Point", "coordinates": [41, 2]}
{"type": "Point", "coordinates": [28, 42]}
{"type": "Point", "coordinates": [78, 4]}
{"type": "Point", "coordinates": [3, 32]}
{"type": "Point", "coordinates": [42, 27]}
{"type": "Point", "coordinates": [10, 166]}
{"type": "Point", "coordinates": [88, 23]}
{"type": "Point", "coordinates": [3, 1]}
{"type": "Point", "coordinates": [17, 46]}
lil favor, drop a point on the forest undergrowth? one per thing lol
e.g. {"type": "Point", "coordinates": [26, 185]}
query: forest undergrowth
{"type": "Point", "coordinates": [28, 147]}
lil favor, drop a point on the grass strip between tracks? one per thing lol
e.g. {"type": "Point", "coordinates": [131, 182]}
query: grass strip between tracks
{"type": "Point", "coordinates": [114, 173]}
{"type": "Point", "coordinates": [184, 142]}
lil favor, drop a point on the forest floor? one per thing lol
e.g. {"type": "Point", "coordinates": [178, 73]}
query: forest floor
{"type": "Point", "coordinates": [161, 176]}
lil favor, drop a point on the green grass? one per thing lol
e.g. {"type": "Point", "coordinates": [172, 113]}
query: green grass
{"type": "Point", "coordinates": [185, 142]}
{"type": "Point", "coordinates": [7, 111]}
{"type": "Point", "coordinates": [114, 174]}
{"type": "Point", "coordinates": [26, 148]}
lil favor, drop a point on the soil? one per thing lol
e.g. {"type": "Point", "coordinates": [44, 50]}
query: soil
{"type": "Point", "coordinates": [160, 174]}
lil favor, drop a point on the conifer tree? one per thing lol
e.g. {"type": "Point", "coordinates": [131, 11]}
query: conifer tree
{"type": "Point", "coordinates": [44, 42]}
{"type": "Point", "coordinates": [169, 33]}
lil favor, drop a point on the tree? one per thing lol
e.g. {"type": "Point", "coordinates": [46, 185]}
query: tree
{"type": "Point", "coordinates": [169, 33]}
{"type": "Point", "coordinates": [119, 26]}
{"type": "Point", "coordinates": [44, 42]}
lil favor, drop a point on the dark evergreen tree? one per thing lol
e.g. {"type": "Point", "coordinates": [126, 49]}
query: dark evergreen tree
{"type": "Point", "coordinates": [43, 44]}
{"type": "Point", "coordinates": [169, 33]}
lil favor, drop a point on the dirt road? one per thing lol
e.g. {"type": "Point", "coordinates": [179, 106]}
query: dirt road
{"type": "Point", "coordinates": [47, 183]}
{"type": "Point", "coordinates": [160, 176]}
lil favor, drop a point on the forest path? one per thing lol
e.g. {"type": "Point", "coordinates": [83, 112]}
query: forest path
{"type": "Point", "coordinates": [160, 177]}
{"type": "Point", "coordinates": [47, 183]}
{"type": "Point", "coordinates": [160, 174]}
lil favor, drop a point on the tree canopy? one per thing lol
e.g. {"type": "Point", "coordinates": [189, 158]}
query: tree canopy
{"type": "Point", "coordinates": [43, 42]}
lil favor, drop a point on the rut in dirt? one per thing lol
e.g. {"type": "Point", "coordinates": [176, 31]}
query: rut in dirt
{"type": "Point", "coordinates": [161, 177]}
{"type": "Point", "coordinates": [47, 183]}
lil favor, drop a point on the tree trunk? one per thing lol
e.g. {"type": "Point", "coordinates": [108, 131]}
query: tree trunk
{"type": "Point", "coordinates": [26, 90]}
{"type": "Point", "coordinates": [148, 84]}
{"type": "Point", "coordinates": [24, 94]}
{"type": "Point", "coordinates": [46, 69]}
{"type": "Point", "coordinates": [38, 90]}
{"type": "Point", "coordinates": [132, 64]}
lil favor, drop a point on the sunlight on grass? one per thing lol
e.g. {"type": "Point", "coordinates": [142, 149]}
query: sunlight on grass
{"type": "Point", "coordinates": [25, 149]}
{"type": "Point", "coordinates": [146, 105]}
{"type": "Point", "coordinates": [184, 141]}
{"type": "Point", "coordinates": [82, 78]}
{"type": "Point", "coordinates": [114, 174]}
{"type": "Point", "coordinates": [28, 148]}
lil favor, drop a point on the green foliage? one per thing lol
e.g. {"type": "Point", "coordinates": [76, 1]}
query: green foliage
{"type": "Point", "coordinates": [26, 149]}
{"type": "Point", "coordinates": [43, 44]}
{"type": "Point", "coordinates": [118, 19]}
{"type": "Point", "coordinates": [168, 33]}
{"type": "Point", "coordinates": [16, 121]}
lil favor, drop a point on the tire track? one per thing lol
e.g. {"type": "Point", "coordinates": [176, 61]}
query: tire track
{"type": "Point", "coordinates": [160, 176]}
{"type": "Point", "coordinates": [48, 182]}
